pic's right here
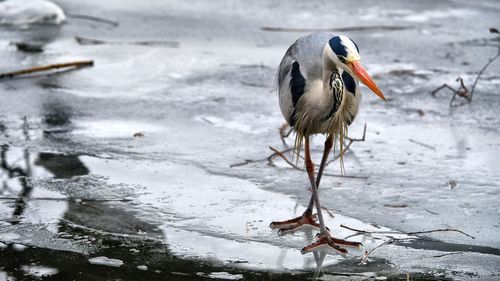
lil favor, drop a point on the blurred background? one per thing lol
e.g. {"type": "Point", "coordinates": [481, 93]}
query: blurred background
{"type": "Point", "coordinates": [151, 162]}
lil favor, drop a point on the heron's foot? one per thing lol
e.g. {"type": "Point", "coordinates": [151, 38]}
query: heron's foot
{"type": "Point", "coordinates": [306, 220]}
{"type": "Point", "coordinates": [324, 240]}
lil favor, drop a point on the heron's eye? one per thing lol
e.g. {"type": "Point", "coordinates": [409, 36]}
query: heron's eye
{"type": "Point", "coordinates": [342, 59]}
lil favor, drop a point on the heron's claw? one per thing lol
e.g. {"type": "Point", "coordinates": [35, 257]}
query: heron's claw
{"type": "Point", "coordinates": [325, 240]}
{"type": "Point", "coordinates": [306, 220]}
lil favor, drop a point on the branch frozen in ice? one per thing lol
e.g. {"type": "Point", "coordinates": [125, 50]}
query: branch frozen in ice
{"type": "Point", "coordinates": [93, 18]}
{"type": "Point", "coordinates": [462, 90]}
{"type": "Point", "coordinates": [44, 68]}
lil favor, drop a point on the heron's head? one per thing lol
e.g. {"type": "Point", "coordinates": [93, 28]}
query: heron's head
{"type": "Point", "coordinates": [345, 54]}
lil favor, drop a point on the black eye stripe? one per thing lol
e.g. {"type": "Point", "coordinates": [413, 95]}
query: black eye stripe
{"type": "Point", "coordinates": [342, 59]}
{"type": "Point", "coordinates": [337, 47]}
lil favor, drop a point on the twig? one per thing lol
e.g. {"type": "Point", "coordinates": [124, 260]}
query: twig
{"type": "Point", "coordinates": [367, 253]}
{"type": "Point", "coordinates": [284, 134]}
{"type": "Point", "coordinates": [364, 259]}
{"type": "Point", "coordinates": [269, 159]}
{"type": "Point", "coordinates": [339, 29]}
{"type": "Point", "coordinates": [66, 199]}
{"type": "Point", "coordinates": [351, 141]}
{"type": "Point", "coordinates": [362, 138]}
{"type": "Point", "coordinates": [356, 230]}
{"type": "Point", "coordinates": [284, 158]}
{"type": "Point", "coordinates": [330, 214]}
{"type": "Point", "coordinates": [278, 153]}
{"type": "Point", "coordinates": [75, 64]}
{"type": "Point", "coordinates": [92, 18]}
{"type": "Point", "coordinates": [274, 155]}
{"type": "Point", "coordinates": [431, 212]}
{"type": "Point", "coordinates": [91, 41]}
{"type": "Point", "coordinates": [407, 233]}
{"type": "Point", "coordinates": [422, 144]}
{"type": "Point", "coordinates": [246, 162]}
{"type": "Point", "coordinates": [345, 176]}
{"type": "Point", "coordinates": [441, 230]}
{"type": "Point", "coordinates": [447, 254]}
{"type": "Point", "coordinates": [482, 71]}
{"type": "Point", "coordinates": [401, 205]}
{"type": "Point", "coordinates": [463, 91]}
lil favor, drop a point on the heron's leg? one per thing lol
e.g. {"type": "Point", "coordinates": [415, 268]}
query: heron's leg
{"type": "Point", "coordinates": [323, 239]}
{"type": "Point", "coordinates": [326, 152]}
{"type": "Point", "coordinates": [310, 173]}
{"type": "Point", "coordinates": [307, 218]}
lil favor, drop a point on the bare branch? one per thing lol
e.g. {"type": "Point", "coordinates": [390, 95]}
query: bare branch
{"type": "Point", "coordinates": [463, 91]}
{"type": "Point", "coordinates": [351, 141]}
{"type": "Point", "coordinates": [422, 144]}
{"type": "Point", "coordinates": [447, 254]}
{"type": "Point", "coordinates": [441, 230]}
{"type": "Point", "coordinates": [75, 64]}
{"type": "Point", "coordinates": [330, 214]}
{"type": "Point", "coordinates": [95, 19]}
{"type": "Point", "coordinates": [284, 134]}
{"type": "Point", "coordinates": [284, 158]}
{"type": "Point", "coordinates": [407, 233]}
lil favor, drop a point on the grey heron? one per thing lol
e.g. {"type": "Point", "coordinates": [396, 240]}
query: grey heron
{"type": "Point", "coordinates": [318, 89]}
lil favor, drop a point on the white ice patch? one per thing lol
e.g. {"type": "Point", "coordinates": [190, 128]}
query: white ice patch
{"type": "Point", "coordinates": [434, 14]}
{"type": "Point", "coordinates": [19, 247]}
{"type": "Point", "coordinates": [216, 217]}
{"type": "Point", "coordinates": [20, 12]}
{"type": "Point", "coordinates": [39, 271]}
{"type": "Point", "coordinates": [239, 123]}
{"type": "Point", "coordinates": [9, 236]}
{"type": "Point", "coordinates": [225, 276]}
{"type": "Point", "coordinates": [412, 16]}
{"type": "Point", "coordinates": [379, 69]}
{"type": "Point", "coordinates": [114, 128]}
{"type": "Point", "coordinates": [106, 261]}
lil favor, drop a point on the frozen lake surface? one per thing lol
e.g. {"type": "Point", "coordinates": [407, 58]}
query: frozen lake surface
{"type": "Point", "coordinates": [133, 169]}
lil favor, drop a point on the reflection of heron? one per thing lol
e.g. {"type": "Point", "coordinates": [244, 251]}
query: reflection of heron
{"type": "Point", "coordinates": [59, 165]}
{"type": "Point", "coordinates": [318, 93]}
{"type": "Point", "coordinates": [22, 175]}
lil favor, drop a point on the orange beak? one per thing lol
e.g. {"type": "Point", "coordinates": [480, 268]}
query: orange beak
{"type": "Point", "coordinates": [358, 69]}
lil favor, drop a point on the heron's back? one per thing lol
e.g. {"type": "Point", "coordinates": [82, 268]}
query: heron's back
{"type": "Point", "coordinates": [308, 52]}
{"type": "Point", "coordinates": [300, 74]}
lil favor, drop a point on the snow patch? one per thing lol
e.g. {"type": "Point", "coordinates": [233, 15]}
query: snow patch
{"type": "Point", "coordinates": [19, 247]}
{"type": "Point", "coordinates": [9, 236]}
{"type": "Point", "coordinates": [20, 12]}
{"type": "Point", "coordinates": [225, 276]}
{"type": "Point", "coordinates": [38, 271]}
{"type": "Point", "coordinates": [114, 128]}
{"type": "Point", "coordinates": [106, 261]}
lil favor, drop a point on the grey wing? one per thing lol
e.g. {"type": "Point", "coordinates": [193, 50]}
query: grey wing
{"type": "Point", "coordinates": [284, 92]}
{"type": "Point", "coordinates": [302, 62]}
{"type": "Point", "coordinates": [285, 67]}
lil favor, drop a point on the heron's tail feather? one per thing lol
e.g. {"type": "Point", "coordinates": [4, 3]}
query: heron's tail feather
{"type": "Point", "coordinates": [299, 138]}
{"type": "Point", "coordinates": [339, 137]}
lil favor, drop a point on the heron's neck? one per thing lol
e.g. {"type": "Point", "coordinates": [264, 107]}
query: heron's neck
{"type": "Point", "coordinates": [329, 67]}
